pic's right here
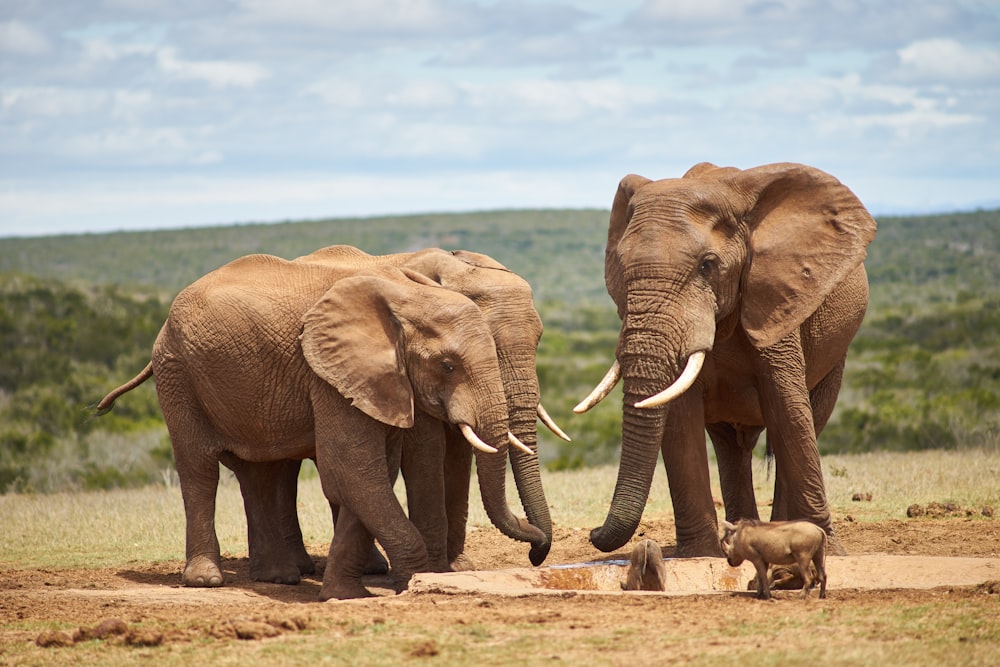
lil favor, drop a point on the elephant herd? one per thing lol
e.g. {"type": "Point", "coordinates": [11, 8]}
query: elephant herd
{"type": "Point", "coordinates": [739, 292]}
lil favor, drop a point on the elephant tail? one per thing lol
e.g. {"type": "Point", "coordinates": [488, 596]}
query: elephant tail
{"type": "Point", "coordinates": [108, 402]}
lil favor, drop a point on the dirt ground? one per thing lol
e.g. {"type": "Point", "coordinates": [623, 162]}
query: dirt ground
{"type": "Point", "coordinates": [143, 604]}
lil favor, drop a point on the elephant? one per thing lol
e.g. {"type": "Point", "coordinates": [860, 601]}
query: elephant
{"type": "Point", "coordinates": [267, 360]}
{"type": "Point", "coordinates": [442, 476]}
{"type": "Point", "coordinates": [739, 292]}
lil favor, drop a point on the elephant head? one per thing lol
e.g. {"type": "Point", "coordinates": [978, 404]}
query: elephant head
{"type": "Point", "coordinates": [505, 300]}
{"type": "Point", "coordinates": [392, 340]}
{"type": "Point", "coordinates": [693, 261]}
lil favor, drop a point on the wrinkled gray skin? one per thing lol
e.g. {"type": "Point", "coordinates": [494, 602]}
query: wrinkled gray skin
{"type": "Point", "coordinates": [437, 477]}
{"type": "Point", "coordinates": [760, 270]}
{"type": "Point", "coordinates": [267, 360]}
{"type": "Point", "coordinates": [797, 543]}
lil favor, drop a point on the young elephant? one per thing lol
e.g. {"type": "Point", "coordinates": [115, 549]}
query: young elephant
{"type": "Point", "coordinates": [645, 570]}
{"type": "Point", "coordinates": [777, 542]}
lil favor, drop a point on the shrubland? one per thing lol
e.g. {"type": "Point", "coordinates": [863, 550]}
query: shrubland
{"type": "Point", "coordinates": [78, 315]}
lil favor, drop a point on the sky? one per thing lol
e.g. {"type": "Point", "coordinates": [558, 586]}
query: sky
{"type": "Point", "coordinates": [144, 114]}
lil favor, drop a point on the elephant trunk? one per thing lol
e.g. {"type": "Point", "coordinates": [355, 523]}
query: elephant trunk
{"type": "Point", "coordinates": [517, 369]}
{"type": "Point", "coordinates": [491, 469]}
{"type": "Point", "coordinates": [650, 357]}
{"type": "Point", "coordinates": [642, 433]}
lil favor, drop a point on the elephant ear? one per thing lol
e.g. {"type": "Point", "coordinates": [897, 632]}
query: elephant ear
{"type": "Point", "coordinates": [621, 215]}
{"type": "Point", "coordinates": [353, 341]}
{"type": "Point", "coordinates": [808, 231]}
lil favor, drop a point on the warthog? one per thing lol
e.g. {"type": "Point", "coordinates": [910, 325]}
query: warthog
{"type": "Point", "coordinates": [780, 543]}
{"type": "Point", "coordinates": [645, 570]}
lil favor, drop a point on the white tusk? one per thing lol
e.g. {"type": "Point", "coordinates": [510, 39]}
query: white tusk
{"type": "Point", "coordinates": [475, 440]}
{"type": "Point", "coordinates": [680, 385]}
{"type": "Point", "coordinates": [551, 424]}
{"type": "Point", "coordinates": [601, 391]}
{"type": "Point", "coordinates": [512, 439]}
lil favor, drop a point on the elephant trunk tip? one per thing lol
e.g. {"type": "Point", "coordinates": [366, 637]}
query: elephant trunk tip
{"type": "Point", "coordinates": [608, 540]}
{"type": "Point", "coordinates": [538, 553]}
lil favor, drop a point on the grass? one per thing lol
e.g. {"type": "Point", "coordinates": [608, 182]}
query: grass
{"type": "Point", "coordinates": [112, 528]}
{"type": "Point", "coordinates": [116, 528]}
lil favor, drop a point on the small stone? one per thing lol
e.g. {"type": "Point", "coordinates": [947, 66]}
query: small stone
{"type": "Point", "coordinates": [914, 510]}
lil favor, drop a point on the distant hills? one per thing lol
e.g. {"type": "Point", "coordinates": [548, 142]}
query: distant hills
{"type": "Point", "coordinates": [924, 370]}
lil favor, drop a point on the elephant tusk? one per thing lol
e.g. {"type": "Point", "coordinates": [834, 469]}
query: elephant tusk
{"type": "Point", "coordinates": [512, 439]}
{"type": "Point", "coordinates": [551, 424]}
{"type": "Point", "coordinates": [601, 391]}
{"type": "Point", "coordinates": [475, 440]}
{"type": "Point", "coordinates": [680, 385]}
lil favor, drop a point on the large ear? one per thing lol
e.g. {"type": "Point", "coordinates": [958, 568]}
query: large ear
{"type": "Point", "coordinates": [621, 214]}
{"type": "Point", "coordinates": [808, 231]}
{"type": "Point", "coordinates": [352, 340]}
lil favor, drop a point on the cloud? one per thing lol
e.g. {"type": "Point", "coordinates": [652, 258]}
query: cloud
{"type": "Point", "coordinates": [946, 61]}
{"type": "Point", "coordinates": [216, 73]}
{"type": "Point", "coordinates": [20, 39]}
{"type": "Point", "coordinates": [805, 26]}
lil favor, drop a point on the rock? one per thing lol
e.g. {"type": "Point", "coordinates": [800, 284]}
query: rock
{"type": "Point", "coordinates": [254, 629]}
{"type": "Point", "coordinates": [914, 510]}
{"type": "Point", "coordinates": [109, 627]}
{"type": "Point", "coordinates": [143, 637]}
{"type": "Point", "coordinates": [54, 639]}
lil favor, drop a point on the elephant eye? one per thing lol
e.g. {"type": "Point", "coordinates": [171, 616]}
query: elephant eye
{"type": "Point", "coordinates": [707, 266]}
{"type": "Point", "coordinates": [447, 366]}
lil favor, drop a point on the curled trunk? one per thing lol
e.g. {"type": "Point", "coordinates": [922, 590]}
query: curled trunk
{"type": "Point", "coordinates": [518, 372]}
{"type": "Point", "coordinates": [491, 469]}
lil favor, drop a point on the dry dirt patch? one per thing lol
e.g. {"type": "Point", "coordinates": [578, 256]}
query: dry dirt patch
{"type": "Point", "coordinates": [145, 605]}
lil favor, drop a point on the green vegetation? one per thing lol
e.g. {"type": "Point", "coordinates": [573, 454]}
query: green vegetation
{"type": "Point", "coordinates": [78, 315]}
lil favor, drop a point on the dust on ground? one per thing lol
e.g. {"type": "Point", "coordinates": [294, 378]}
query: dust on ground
{"type": "Point", "coordinates": [143, 603]}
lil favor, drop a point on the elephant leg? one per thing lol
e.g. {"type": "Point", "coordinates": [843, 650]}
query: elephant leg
{"type": "Point", "coordinates": [355, 474]}
{"type": "Point", "coordinates": [457, 477]}
{"type": "Point", "coordinates": [685, 458]}
{"type": "Point", "coordinates": [345, 565]}
{"type": "Point", "coordinates": [260, 484]}
{"type": "Point", "coordinates": [734, 447]}
{"type": "Point", "coordinates": [198, 471]}
{"type": "Point", "coordinates": [376, 562]}
{"type": "Point", "coordinates": [800, 491]}
{"type": "Point", "coordinates": [288, 515]}
{"type": "Point", "coordinates": [823, 396]}
{"type": "Point", "coordinates": [423, 468]}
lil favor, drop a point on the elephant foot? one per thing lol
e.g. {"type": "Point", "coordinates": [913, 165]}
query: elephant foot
{"type": "Point", "coordinates": [344, 590]}
{"type": "Point", "coordinates": [462, 563]}
{"type": "Point", "coordinates": [288, 574]}
{"type": "Point", "coordinates": [376, 564]}
{"type": "Point", "coordinates": [697, 548]}
{"type": "Point", "coordinates": [303, 561]}
{"type": "Point", "coordinates": [833, 546]}
{"type": "Point", "coordinates": [306, 565]}
{"type": "Point", "coordinates": [202, 572]}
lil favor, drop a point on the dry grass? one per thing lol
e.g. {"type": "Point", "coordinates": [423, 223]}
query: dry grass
{"type": "Point", "coordinates": [111, 528]}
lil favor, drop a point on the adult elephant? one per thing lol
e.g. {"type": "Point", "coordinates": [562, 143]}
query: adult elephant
{"type": "Point", "coordinates": [739, 292]}
{"type": "Point", "coordinates": [266, 359]}
{"type": "Point", "coordinates": [436, 461]}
